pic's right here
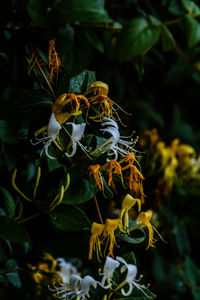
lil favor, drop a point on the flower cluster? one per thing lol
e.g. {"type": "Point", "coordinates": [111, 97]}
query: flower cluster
{"type": "Point", "coordinates": [173, 164]}
{"type": "Point", "coordinates": [79, 287]}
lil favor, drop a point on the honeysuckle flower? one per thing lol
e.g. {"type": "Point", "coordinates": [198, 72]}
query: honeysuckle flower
{"type": "Point", "coordinates": [52, 132]}
{"type": "Point", "coordinates": [144, 220]}
{"type": "Point", "coordinates": [86, 283]}
{"type": "Point", "coordinates": [76, 135]}
{"type": "Point", "coordinates": [115, 141]}
{"type": "Point", "coordinates": [114, 167]}
{"type": "Point", "coordinates": [66, 269]}
{"type": "Point", "coordinates": [130, 278]}
{"type": "Point", "coordinates": [108, 233]}
{"type": "Point", "coordinates": [108, 270]}
{"type": "Point", "coordinates": [100, 90]}
{"type": "Point", "coordinates": [94, 170]}
{"type": "Point", "coordinates": [96, 232]}
{"type": "Point", "coordinates": [127, 203]}
{"type": "Point", "coordinates": [67, 291]}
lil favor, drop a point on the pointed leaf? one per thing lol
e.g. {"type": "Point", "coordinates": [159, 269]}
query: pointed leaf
{"type": "Point", "coordinates": [70, 218]}
{"type": "Point", "coordinates": [168, 42]}
{"type": "Point", "coordinates": [79, 11]}
{"type": "Point", "coordinates": [12, 231]}
{"type": "Point", "coordinates": [192, 28]}
{"type": "Point", "coordinates": [8, 203]}
{"type": "Point", "coordinates": [191, 7]}
{"type": "Point", "coordinates": [137, 37]}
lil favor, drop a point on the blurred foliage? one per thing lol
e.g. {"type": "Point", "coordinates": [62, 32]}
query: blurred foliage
{"type": "Point", "coordinates": [148, 52]}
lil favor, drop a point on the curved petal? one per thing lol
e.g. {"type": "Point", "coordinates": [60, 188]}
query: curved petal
{"type": "Point", "coordinates": [74, 148]}
{"type": "Point", "coordinates": [128, 292]}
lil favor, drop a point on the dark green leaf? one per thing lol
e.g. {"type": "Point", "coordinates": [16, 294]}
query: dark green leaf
{"type": "Point", "coordinates": [132, 240]}
{"type": "Point", "coordinates": [181, 237]}
{"type": "Point", "coordinates": [192, 28]}
{"type": "Point", "coordinates": [35, 104]}
{"type": "Point", "coordinates": [37, 10]}
{"type": "Point", "coordinates": [196, 293]}
{"type": "Point", "coordinates": [7, 132]}
{"type": "Point", "coordinates": [12, 231]}
{"type": "Point", "coordinates": [168, 42]}
{"type": "Point", "coordinates": [71, 11]}
{"type": "Point", "coordinates": [70, 218]}
{"type": "Point", "coordinates": [11, 275]}
{"type": "Point", "coordinates": [69, 42]}
{"type": "Point", "coordinates": [8, 203]}
{"type": "Point", "coordinates": [86, 188]}
{"type": "Point", "coordinates": [190, 272]}
{"type": "Point", "coordinates": [137, 37]}
{"type": "Point", "coordinates": [191, 7]}
{"type": "Point", "coordinates": [80, 83]}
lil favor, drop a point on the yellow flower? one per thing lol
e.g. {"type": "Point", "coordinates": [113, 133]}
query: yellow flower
{"type": "Point", "coordinates": [127, 203]}
{"type": "Point", "coordinates": [96, 231]}
{"type": "Point", "coordinates": [144, 220]}
{"type": "Point", "coordinates": [108, 233]}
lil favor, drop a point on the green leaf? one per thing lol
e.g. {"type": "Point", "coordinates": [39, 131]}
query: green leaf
{"type": "Point", "coordinates": [181, 237]}
{"type": "Point", "coordinates": [80, 83]}
{"type": "Point", "coordinates": [7, 132]}
{"type": "Point", "coordinates": [131, 240]}
{"type": "Point", "coordinates": [137, 37]}
{"type": "Point", "coordinates": [196, 293]}
{"type": "Point", "coordinates": [8, 203]}
{"type": "Point", "coordinates": [70, 218]}
{"type": "Point", "coordinates": [190, 272]}
{"type": "Point", "coordinates": [168, 42]}
{"type": "Point", "coordinates": [35, 104]}
{"type": "Point", "coordinates": [86, 188]}
{"type": "Point", "coordinates": [130, 257]}
{"type": "Point", "coordinates": [72, 11]}
{"type": "Point", "coordinates": [11, 275]}
{"type": "Point", "coordinates": [191, 7]}
{"type": "Point", "coordinates": [12, 231]}
{"type": "Point", "coordinates": [69, 42]}
{"type": "Point", "coordinates": [192, 28]}
{"type": "Point", "coordinates": [37, 10]}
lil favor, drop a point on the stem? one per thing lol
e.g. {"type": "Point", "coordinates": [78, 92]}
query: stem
{"type": "Point", "coordinates": [120, 285]}
{"type": "Point", "coordinates": [30, 217]}
{"type": "Point", "coordinates": [98, 210]}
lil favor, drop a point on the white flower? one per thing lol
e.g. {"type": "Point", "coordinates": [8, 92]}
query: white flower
{"type": "Point", "coordinates": [66, 270]}
{"type": "Point", "coordinates": [68, 291]}
{"type": "Point", "coordinates": [108, 270]}
{"type": "Point", "coordinates": [85, 285]}
{"type": "Point", "coordinates": [130, 277]}
{"type": "Point", "coordinates": [77, 133]}
{"type": "Point", "coordinates": [115, 141]}
{"type": "Point", "coordinates": [52, 133]}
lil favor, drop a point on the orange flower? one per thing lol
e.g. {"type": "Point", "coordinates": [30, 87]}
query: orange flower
{"type": "Point", "coordinates": [94, 170]}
